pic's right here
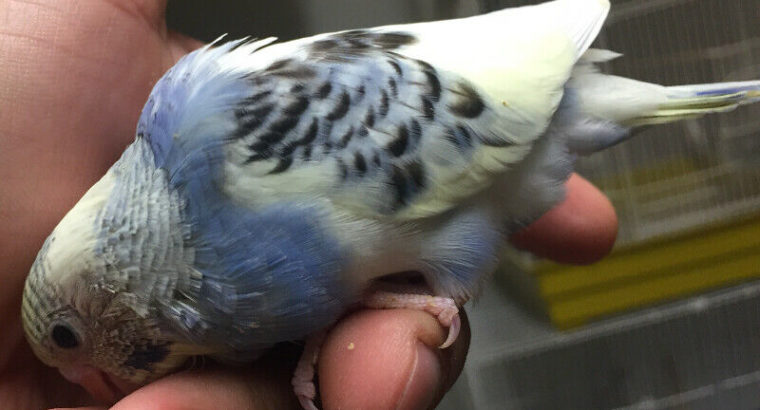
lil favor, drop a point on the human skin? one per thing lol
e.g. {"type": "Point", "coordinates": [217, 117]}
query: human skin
{"type": "Point", "coordinates": [73, 78]}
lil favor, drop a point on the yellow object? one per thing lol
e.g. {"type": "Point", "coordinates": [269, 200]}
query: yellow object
{"type": "Point", "coordinates": [649, 273]}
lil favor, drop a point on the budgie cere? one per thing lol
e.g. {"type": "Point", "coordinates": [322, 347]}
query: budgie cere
{"type": "Point", "coordinates": [269, 185]}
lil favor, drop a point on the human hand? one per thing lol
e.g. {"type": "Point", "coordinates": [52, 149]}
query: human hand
{"type": "Point", "coordinates": [74, 78]}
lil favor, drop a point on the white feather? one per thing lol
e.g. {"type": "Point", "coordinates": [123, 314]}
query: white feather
{"type": "Point", "coordinates": [75, 252]}
{"type": "Point", "coordinates": [519, 60]}
{"type": "Point", "coordinates": [520, 57]}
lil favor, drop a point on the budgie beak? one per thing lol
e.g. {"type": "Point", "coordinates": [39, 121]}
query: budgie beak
{"type": "Point", "coordinates": [101, 386]}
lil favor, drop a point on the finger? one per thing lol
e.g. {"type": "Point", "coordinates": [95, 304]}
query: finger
{"type": "Point", "coordinates": [389, 359]}
{"type": "Point", "coordinates": [580, 230]}
{"type": "Point", "coordinates": [152, 11]}
{"type": "Point", "coordinates": [180, 44]}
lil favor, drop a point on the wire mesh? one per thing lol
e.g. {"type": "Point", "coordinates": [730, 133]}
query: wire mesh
{"type": "Point", "coordinates": [680, 176]}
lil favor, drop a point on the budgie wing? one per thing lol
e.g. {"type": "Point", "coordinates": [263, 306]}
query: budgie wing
{"type": "Point", "coordinates": [402, 121]}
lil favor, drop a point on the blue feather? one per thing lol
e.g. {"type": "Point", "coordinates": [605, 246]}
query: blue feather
{"type": "Point", "coordinates": [269, 274]}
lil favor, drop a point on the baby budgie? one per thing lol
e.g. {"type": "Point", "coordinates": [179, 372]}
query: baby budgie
{"type": "Point", "coordinates": [271, 184]}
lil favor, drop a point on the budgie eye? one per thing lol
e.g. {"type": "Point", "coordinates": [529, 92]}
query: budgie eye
{"type": "Point", "coordinates": [64, 336]}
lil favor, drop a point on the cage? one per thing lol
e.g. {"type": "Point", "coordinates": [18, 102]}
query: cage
{"type": "Point", "coordinates": [687, 194]}
{"type": "Point", "coordinates": [685, 175]}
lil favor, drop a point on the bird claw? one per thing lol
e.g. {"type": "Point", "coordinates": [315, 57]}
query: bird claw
{"type": "Point", "coordinates": [456, 324]}
{"type": "Point", "coordinates": [303, 376]}
{"type": "Point", "coordinates": [307, 402]}
{"type": "Point", "coordinates": [445, 309]}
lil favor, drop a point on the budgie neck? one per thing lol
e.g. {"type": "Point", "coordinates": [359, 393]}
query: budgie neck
{"type": "Point", "coordinates": [173, 236]}
{"type": "Point", "coordinates": [140, 232]}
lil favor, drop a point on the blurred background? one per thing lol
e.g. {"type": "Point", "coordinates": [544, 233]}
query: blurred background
{"type": "Point", "coordinates": [671, 319]}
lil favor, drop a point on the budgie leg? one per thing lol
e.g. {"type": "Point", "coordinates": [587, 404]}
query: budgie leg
{"type": "Point", "coordinates": [303, 376]}
{"type": "Point", "coordinates": [445, 309]}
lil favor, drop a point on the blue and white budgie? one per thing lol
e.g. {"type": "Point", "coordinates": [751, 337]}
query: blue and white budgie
{"type": "Point", "coordinates": [269, 185]}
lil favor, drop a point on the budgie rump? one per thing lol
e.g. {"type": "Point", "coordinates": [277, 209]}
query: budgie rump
{"type": "Point", "coordinates": [271, 184]}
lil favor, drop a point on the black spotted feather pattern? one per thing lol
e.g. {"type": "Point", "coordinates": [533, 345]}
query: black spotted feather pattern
{"type": "Point", "coordinates": [359, 104]}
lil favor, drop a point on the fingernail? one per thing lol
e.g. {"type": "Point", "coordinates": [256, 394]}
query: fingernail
{"type": "Point", "coordinates": [424, 381]}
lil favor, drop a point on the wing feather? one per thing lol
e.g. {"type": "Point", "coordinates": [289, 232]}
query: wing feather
{"type": "Point", "coordinates": [399, 121]}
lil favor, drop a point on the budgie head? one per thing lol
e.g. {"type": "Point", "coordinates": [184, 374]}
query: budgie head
{"type": "Point", "coordinates": [154, 265]}
{"type": "Point", "coordinates": [93, 298]}
{"type": "Point", "coordinates": [79, 312]}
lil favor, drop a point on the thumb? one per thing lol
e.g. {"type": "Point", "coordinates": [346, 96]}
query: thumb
{"type": "Point", "coordinates": [389, 359]}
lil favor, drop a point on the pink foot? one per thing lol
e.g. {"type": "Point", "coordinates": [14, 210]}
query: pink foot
{"type": "Point", "coordinates": [445, 309]}
{"type": "Point", "coordinates": [303, 376]}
